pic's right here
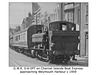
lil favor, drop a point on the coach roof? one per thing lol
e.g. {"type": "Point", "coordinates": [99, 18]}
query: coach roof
{"type": "Point", "coordinates": [25, 29]}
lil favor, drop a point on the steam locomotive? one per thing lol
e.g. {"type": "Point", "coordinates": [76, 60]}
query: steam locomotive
{"type": "Point", "coordinates": [57, 42]}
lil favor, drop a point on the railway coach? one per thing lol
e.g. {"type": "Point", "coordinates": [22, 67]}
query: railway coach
{"type": "Point", "coordinates": [22, 40]}
{"type": "Point", "coordinates": [57, 42]}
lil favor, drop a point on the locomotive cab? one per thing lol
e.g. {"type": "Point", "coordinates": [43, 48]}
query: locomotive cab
{"type": "Point", "coordinates": [63, 40]}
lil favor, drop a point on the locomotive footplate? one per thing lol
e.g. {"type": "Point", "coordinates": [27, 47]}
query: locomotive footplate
{"type": "Point", "coordinates": [68, 52]}
{"type": "Point", "coordinates": [61, 58]}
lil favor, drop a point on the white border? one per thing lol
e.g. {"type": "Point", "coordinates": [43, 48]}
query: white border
{"type": "Point", "coordinates": [94, 37]}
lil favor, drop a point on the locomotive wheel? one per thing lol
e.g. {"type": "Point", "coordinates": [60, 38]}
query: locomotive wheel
{"type": "Point", "coordinates": [66, 60]}
{"type": "Point", "coordinates": [18, 50]}
{"type": "Point", "coordinates": [22, 50]}
{"type": "Point", "coordinates": [36, 54]}
{"type": "Point", "coordinates": [25, 52]}
{"type": "Point", "coordinates": [28, 53]}
{"type": "Point", "coordinates": [33, 53]}
{"type": "Point", "coordinates": [51, 59]}
{"type": "Point", "coordinates": [47, 59]}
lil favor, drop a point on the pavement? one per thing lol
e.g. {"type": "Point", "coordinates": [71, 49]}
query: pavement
{"type": "Point", "coordinates": [84, 58]}
{"type": "Point", "coordinates": [81, 60]}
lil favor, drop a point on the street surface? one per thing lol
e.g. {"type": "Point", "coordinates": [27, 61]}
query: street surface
{"type": "Point", "coordinates": [20, 60]}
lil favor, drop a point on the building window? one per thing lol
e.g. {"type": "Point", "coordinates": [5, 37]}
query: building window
{"type": "Point", "coordinates": [86, 35]}
{"type": "Point", "coordinates": [86, 19]}
{"type": "Point", "coordinates": [87, 14]}
{"type": "Point", "coordinates": [66, 16]}
{"type": "Point", "coordinates": [16, 38]}
{"type": "Point", "coordinates": [78, 16]}
{"type": "Point", "coordinates": [19, 37]}
{"type": "Point", "coordinates": [70, 16]}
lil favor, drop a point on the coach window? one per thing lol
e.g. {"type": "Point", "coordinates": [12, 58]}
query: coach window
{"type": "Point", "coordinates": [16, 38]}
{"type": "Point", "coordinates": [19, 37]}
{"type": "Point", "coordinates": [24, 36]}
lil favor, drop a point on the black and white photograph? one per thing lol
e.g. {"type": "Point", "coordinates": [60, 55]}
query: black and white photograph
{"type": "Point", "coordinates": [48, 34]}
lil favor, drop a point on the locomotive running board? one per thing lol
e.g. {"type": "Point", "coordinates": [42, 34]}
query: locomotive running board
{"type": "Point", "coordinates": [37, 49]}
{"type": "Point", "coordinates": [66, 33]}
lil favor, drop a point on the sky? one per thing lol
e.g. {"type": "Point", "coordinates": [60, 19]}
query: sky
{"type": "Point", "coordinates": [47, 6]}
{"type": "Point", "coordinates": [20, 10]}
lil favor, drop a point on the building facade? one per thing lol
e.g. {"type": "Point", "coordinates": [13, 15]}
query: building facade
{"type": "Point", "coordinates": [33, 17]}
{"type": "Point", "coordinates": [78, 14]}
{"type": "Point", "coordinates": [58, 14]}
{"type": "Point", "coordinates": [27, 21]}
{"type": "Point", "coordinates": [36, 12]}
